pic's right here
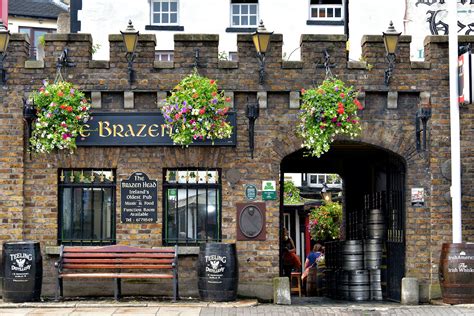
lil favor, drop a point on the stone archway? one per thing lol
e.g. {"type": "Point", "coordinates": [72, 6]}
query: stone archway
{"type": "Point", "coordinates": [373, 177]}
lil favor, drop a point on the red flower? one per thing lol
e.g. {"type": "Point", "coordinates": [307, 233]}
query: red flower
{"type": "Point", "coordinates": [303, 91]}
{"type": "Point", "coordinates": [69, 108]}
{"type": "Point", "coordinates": [214, 93]}
{"type": "Point", "coordinates": [177, 116]}
{"type": "Point", "coordinates": [63, 124]}
{"type": "Point", "coordinates": [340, 105]}
{"type": "Point", "coordinates": [213, 81]}
{"type": "Point", "coordinates": [60, 93]}
{"type": "Point", "coordinates": [227, 99]}
{"type": "Point", "coordinates": [63, 106]}
{"type": "Point", "coordinates": [340, 110]}
{"type": "Point", "coordinates": [202, 111]}
{"type": "Point", "coordinates": [342, 95]}
{"type": "Point", "coordinates": [78, 118]}
{"type": "Point", "coordinates": [195, 95]}
{"type": "Point", "coordinates": [359, 106]}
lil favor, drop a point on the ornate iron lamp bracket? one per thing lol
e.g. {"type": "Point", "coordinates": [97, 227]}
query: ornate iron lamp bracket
{"type": "Point", "coordinates": [63, 62]}
{"type": "Point", "coordinates": [421, 119]}
{"type": "Point", "coordinates": [252, 113]}
{"type": "Point", "coordinates": [327, 65]}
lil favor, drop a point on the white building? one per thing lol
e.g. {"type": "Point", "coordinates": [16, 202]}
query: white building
{"type": "Point", "coordinates": [290, 18]}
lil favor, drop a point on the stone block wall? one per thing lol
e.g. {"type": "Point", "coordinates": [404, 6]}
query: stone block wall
{"type": "Point", "coordinates": [29, 183]}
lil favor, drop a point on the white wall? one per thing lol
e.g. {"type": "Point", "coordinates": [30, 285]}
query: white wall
{"type": "Point", "coordinates": [15, 23]}
{"type": "Point", "coordinates": [103, 17]}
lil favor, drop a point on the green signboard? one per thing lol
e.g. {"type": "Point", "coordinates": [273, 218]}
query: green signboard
{"type": "Point", "coordinates": [269, 195]}
{"type": "Point", "coordinates": [269, 190]}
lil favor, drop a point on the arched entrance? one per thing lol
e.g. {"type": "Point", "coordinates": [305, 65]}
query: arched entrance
{"type": "Point", "coordinates": [372, 178]}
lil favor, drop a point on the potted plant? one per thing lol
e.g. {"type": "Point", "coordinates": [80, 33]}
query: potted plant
{"type": "Point", "coordinates": [196, 111]}
{"type": "Point", "coordinates": [326, 111]}
{"type": "Point", "coordinates": [61, 112]}
{"type": "Point", "coordinates": [325, 221]}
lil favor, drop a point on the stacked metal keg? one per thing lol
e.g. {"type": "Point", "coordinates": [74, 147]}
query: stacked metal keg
{"type": "Point", "coordinates": [354, 266]}
{"type": "Point", "coordinates": [373, 249]}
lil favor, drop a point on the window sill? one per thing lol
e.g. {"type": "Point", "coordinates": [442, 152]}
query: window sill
{"type": "Point", "coordinates": [164, 28]}
{"type": "Point", "coordinates": [314, 22]}
{"type": "Point", "coordinates": [240, 29]}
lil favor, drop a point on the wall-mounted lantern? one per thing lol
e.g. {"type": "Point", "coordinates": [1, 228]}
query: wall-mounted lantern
{"type": "Point", "coordinates": [4, 39]}
{"type": "Point", "coordinates": [130, 39]}
{"type": "Point", "coordinates": [252, 113]}
{"type": "Point", "coordinates": [390, 39]}
{"type": "Point", "coordinates": [261, 39]}
{"type": "Point", "coordinates": [325, 194]}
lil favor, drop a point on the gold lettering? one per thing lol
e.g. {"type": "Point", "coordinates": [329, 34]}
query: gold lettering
{"type": "Point", "coordinates": [163, 126]}
{"type": "Point", "coordinates": [104, 125]}
{"type": "Point", "coordinates": [140, 130]}
{"type": "Point", "coordinates": [118, 129]}
{"type": "Point", "coordinates": [85, 131]}
{"type": "Point", "coordinates": [154, 130]}
{"type": "Point", "coordinates": [130, 131]}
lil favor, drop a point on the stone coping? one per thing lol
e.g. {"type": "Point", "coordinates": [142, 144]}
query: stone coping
{"type": "Point", "coordinates": [379, 39]}
{"type": "Point", "coordinates": [248, 38]}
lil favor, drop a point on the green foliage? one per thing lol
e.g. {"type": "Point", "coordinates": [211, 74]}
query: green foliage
{"type": "Point", "coordinates": [327, 111]}
{"type": "Point", "coordinates": [325, 221]}
{"type": "Point", "coordinates": [196, 110]}
{"type": "Point", "coordinates": [95, 48]}
{"type": "Point", "coordinates": [223, 56]}
{"type": "Point", "coordinates": [291, 194]}
{"type": "Point", "coordinates": [61, 112]}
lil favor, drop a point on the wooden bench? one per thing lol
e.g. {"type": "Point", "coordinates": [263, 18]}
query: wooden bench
{"type": "Point", "coordinates": [117, 262]}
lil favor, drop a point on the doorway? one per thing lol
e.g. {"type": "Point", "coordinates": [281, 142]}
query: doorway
{"type": "Point", "coordinates": [372, 178]}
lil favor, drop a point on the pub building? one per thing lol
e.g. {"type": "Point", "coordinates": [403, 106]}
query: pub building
{"type": "Point", "coordinates": [128, 184]}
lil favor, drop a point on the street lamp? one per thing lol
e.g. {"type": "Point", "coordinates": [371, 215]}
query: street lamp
{"type": "Point", "coordinates": [130, 39]}
{"type": "Point", "coordinates": [261, 39]}
{"type": "Point", "coordinates": [325, 194]}
{"type": "Point", "coordinates": [4, 39]}
{"type": "Point", "coordinates": [390, 39]}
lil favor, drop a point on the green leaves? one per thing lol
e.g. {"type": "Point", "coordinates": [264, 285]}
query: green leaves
{"type": "Point", "coordinates": [326, 111]}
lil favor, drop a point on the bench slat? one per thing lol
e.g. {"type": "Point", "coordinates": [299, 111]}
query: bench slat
{"type": "Point", "coordinates": [117, 260]}
{"type": "Point", "coordinates": [116, 255]}
{"type": "Point", "coordinates": [116, 275]}
{"type": "Point", "coordinates": [116, 266]}
{"type": "Point", "coordinates": [118, 249]}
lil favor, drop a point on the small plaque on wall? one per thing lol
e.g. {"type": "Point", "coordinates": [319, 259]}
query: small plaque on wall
{"type": "Point", "coordinates": [251, 221]}
{"type": "Point", "coordinates": [138, 199]}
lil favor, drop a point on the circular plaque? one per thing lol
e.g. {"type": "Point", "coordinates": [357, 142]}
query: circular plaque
{"type": "Point", "coordinates": [251, 221]}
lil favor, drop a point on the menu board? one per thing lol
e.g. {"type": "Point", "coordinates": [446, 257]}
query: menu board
{"type": "Point", "coordinates": [138, 199]}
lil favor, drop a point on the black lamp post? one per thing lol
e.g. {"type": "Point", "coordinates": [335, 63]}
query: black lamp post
{"type": "Point", "coordinates": [252, 113]}
{"type": "Point", "coordinates": [390, 39]}
{"type": "Point", "coordinates": [261, 39]}
{"type": "Point", "coordinates": [4, 39]}
{"type": "Point", "coordinates": [130, 39]}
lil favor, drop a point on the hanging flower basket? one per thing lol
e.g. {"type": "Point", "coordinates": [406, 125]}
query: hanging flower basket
{"type": "Point", "coordinates": [327, 111]}
{"type": "Point", "coordinates": [325, 221]}
{"type": "Point", "coordinates": [197, 111]}
{"type": "Point", "coordinates": [61, 112]}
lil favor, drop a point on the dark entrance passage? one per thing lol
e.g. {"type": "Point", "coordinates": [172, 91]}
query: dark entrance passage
{"type": "Point", "coordinates": [373, 178]}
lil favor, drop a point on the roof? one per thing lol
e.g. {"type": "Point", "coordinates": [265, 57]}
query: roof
{"type": "Point", "coordinates": [46, 9]}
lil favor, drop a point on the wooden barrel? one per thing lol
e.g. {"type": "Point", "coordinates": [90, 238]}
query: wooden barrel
{"type": "Point", "coordinates": [218, 272]}
{"type": "Point", "coordinates": [456, 273]}
{"type": "Point", "coordinates": [22, 271]}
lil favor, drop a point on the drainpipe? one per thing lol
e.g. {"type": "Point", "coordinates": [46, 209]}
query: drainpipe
{"type": "Point", "coordinates": [346, 24]}
{"type": "Point", "coordinates": [454, 122]}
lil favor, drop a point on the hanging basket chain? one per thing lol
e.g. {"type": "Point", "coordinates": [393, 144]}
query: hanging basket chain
{"type": "Point", "coordinates": [327, 65]}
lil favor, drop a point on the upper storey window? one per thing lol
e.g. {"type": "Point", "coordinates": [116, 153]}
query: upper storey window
{"type": "Point", "coordinates": [244, 13]}
{"type": "Point", "coordinates": [164, 12]}
{"type": "Point", "coordinates": [326, 10]}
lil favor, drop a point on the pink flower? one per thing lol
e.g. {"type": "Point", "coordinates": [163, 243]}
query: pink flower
{"type": "Point", "coordinates": [66, 136]}
{"type": "Point", "coordinates": [334, 119]}
{"type": "Point", "coordinates": [342, 95]}
{"type": "Point", "coordinates": [202, 111]}
{"type": "Point", "coordinates": [303, 91]}
{"type": "Point", "coordinates": [63, 124]}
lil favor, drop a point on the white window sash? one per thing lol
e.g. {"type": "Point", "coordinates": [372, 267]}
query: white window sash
{"type": "Point", "coordinates": [152, 12]}
{"type": "Point", "coordinates": [325, 8]}
{"type": "Point", "coordinates": [248, 14]}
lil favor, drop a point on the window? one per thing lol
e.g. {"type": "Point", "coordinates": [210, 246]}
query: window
{"type": "Point", "coordinates": [191, 206]}
{"type": "Point", "coordinates": [34, 33]}
{"type": "Point", "coordinates": [233, 56]}
{"type": "Point", "coordinates": [86, 207]}
{"type": "Point", "coordinates": [330, 179]}
{"type": "Point", "coordinates": [243, 13]}
{"type": "Point", "coordinates": [327, 10]}
{"type": "Point", "coordinates": [164, 12]}
{"type": "Point", "coordinates": [164, 55]}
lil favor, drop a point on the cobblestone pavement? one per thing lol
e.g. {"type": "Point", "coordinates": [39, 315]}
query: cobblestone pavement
{"type": "Point", "coordinates": [239, 308]}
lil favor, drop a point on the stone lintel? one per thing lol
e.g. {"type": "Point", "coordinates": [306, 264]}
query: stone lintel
{"type": "Point", "coordinates": [34, 64]}
{"type": "Point", "coordinates": [228, 64]}
{"type": "Point", "coordinates": [99, 64]}
{"type": "Point", "coordinates": [286, 64]}
{"type": "Point", "coordinates": [420, 65]}
{"type": "Point", "coordinates": [352, 64]}
{"type": "Point", "coordinates": [163, 64]}
{"type": "Point", "coordinates": [96, 99]}
{"type": "Point", "coordinates": [262, 99]}
{"type": "Point", "coordinates": [294, 99]}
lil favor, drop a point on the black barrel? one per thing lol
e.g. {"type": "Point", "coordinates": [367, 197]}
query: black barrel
{"type": "Point", "coordinates": [352, 255]}
{"type": "Point", "coordinates": [218, 272]}
{"type": "Point", "coordinates": [22, 271]}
